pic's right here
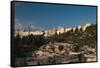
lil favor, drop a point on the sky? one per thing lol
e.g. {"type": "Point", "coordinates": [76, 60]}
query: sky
{"type": "Point", "coordinates": [46, 16]}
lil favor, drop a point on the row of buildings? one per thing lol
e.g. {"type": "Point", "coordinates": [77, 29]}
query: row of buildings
{"type": "Point", "coordinates": [53, 31]}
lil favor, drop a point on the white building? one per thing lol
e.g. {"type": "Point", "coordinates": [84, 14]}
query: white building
{"type": "Point", "coordinates": [84, 27]}
{"type": "Point", "coordinates": [49, 32]}
{"type": "Point", "coordinates": [60, 30]}
{"type": "Point", "coordinates": [79, 28]}
{"type": "Point", "coordinates": [74, 29]}
{"type": "Point", "coordinates": [68, 29]}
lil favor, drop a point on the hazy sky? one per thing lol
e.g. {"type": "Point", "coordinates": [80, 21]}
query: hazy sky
{"type": "Point", "coordinates": [51, 15]}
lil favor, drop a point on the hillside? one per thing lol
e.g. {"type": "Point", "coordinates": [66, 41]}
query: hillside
{"type": "Point", "coordinates": [79, 39]}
